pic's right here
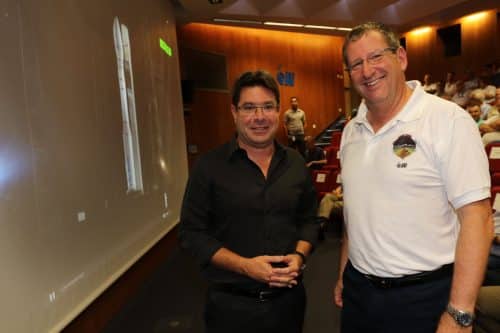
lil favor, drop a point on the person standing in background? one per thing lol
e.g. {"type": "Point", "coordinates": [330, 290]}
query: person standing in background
{"type": "Point", "coordinates": [450, 84]}
{"type": "Point", "coordinates": [295, 124]}
{"type": "Point", "coordinates": [418, 224]}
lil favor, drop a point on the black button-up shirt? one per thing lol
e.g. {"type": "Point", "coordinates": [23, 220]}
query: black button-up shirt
{"type": "Point", "coordinates": [229, 203]}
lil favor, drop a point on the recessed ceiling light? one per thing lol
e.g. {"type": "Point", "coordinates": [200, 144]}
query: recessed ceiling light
{"type": "Point", "coordinates": [284, 24]}
{"type": "Point", "coordinates": [221, 20]}
{"type": "Point", "coordinates": [326, 27]}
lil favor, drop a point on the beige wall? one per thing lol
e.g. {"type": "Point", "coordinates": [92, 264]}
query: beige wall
{"type": "Point", "coordinates": [61, 152]}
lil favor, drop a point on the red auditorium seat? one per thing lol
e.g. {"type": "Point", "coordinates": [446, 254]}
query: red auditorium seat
{"type": "Point", "coordinates": [495, 179]}
{"type": "Point", "coordinates": [493, 152]}
{"type": "Point", "coordinates": [495, 191]}
{"type": "Point", "coordinates": [336, 136]}
{"type": "Point", "coordinates": [325, 181]}
{"type": "Point", "coordinates": [332, 158]}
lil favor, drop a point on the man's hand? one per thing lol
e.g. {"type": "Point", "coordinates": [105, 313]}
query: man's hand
{"type": "Point", "coordinates": [260, 268]}
{"type": "Point", "coordinates": [337, 293]}
{"type": "Point", "coordinates": [287, 276]}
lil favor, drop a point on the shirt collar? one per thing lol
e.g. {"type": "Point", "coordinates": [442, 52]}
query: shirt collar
{"type": "Point", "coordinates": [409, 111]}
{"type": "Point", "coordinates": [235, 150]}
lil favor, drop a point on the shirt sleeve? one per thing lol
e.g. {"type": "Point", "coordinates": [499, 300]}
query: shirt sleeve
{"type": "Point", "coordinates": [307, 211]}
{"type": "Point", "coordinates": [196, 216]}
{"type": "Point", "coordinates": [464, 163]}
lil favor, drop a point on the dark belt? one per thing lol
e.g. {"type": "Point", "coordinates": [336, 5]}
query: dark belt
{"type": "Point", "coordinates": [408, 280]}
{"type": "Point", "coordinates": [260, 294]}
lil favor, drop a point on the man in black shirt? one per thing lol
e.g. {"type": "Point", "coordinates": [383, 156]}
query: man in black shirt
{"type": "Point", "coordinates": [248, 216]}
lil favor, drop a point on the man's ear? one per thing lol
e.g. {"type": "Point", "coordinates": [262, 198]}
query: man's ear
{"type": "Point", "coordinates": [234, 112]}
{"type": "Point", "coordinates": [402, 57]}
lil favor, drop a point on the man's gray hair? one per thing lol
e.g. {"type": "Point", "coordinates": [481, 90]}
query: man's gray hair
{"type": "Point", "coordinates": [359, 31]}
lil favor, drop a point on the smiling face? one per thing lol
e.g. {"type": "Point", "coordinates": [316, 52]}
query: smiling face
{"type": "Point", "coordinates": [258, 129]}
{"type": "Point", "coordinates": [474, 111]}
{"type": "Point", "coordinates": [381, 83]}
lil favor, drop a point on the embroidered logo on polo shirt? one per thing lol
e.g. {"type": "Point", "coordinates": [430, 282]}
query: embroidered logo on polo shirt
{"type": "Point", "coordinates": [403, 147]}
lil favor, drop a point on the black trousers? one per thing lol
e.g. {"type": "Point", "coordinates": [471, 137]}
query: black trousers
{"type": "Point", "coordinates": [409, 309]}
{"type": "Point", "coordinates": [297, 142]}
{"type": "Point", "coordinates": [229, 313]}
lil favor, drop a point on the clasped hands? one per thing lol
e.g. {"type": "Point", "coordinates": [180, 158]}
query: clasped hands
{"type": "Point", "coordinates": [275, 271]}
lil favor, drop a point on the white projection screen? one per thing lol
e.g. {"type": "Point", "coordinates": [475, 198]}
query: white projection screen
{"type": "Point", "coordinates": [70, 222]}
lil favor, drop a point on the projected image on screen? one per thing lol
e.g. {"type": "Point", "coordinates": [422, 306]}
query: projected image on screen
{"type": "Point", "coordinates": [126, 83]}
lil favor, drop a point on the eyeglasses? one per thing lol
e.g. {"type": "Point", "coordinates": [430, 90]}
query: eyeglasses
{"type": "Point", "coordinates": [250, 109]}
{"type": "Point", "coordinates": [373, 59]}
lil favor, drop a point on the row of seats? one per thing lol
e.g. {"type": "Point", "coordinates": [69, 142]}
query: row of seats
{"type": "Point", "coordinates": [493, 152]}
{"type": "Point", "coordinates": [328, 177]}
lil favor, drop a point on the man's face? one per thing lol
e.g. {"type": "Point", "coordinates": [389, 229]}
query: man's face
{"type": "Point", "coordinates": [294, 103]}
{"type": "Point", "coordinates": [256, 129]}
{"type": "Point", "coordinates": [382, 81]}
{"type": "Point", "coordinates": [474, 111]}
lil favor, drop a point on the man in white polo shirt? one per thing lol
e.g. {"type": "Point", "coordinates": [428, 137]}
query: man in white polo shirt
{"type": "Point", "coordinates": [416, 188]}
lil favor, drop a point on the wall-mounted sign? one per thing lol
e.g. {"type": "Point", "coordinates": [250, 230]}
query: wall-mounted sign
{"type": "Point", "coordinates": [285, 78]}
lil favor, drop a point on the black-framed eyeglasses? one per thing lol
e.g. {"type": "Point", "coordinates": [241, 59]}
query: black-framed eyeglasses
{"type": "Point", "coordinates": [373, 59]}
{"type": "Point", "coordinates": [250, 109]}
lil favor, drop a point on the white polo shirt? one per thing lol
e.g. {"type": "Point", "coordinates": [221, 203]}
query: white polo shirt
{"type": "Point", "coordinates": [402, 184]}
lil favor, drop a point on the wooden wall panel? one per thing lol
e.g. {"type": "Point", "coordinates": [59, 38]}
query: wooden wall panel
{"type": "Point", "coordinates": [479, 47]}
{"type": "Point", "coordinates": [315, 59]}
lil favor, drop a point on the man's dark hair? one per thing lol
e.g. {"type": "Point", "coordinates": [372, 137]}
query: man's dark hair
{"type": "Point", "coordinates": [259, 78]}
{"type": "Point", "coordinates": [473, 102]}
{"type": "Point", "coordinates": [359, 31]}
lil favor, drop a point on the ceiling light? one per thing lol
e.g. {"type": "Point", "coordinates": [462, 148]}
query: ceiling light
{"type": "Point", "coordinates": [475, 17]}
{"type": "Point", "coordinates": [284, 24]}
{"type": "Point", "coordinates": [343, 29]}
{"type": "Point", "coordinates": [326, 27]}
{"type": "Point", "coordinates": [421, 31]}
{"type": "Point", "coordinates": [221, 20]}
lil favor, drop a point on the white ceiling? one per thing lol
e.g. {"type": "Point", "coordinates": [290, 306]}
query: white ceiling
{"type": "Point", "coordinates": [401, 14]}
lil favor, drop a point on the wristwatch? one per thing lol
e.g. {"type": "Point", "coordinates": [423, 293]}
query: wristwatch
{"type": "Point", "coordinates": [462, 318]}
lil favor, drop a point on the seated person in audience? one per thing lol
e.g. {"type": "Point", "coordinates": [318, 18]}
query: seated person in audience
{"type": "Point", "coordinates": [331, 205]}
{"type": "Point", "coordinates": [489, 94]}
{"type": "Point", "coordinates": [315, 156]}
{"type": "Point", "coordinates": [473, 106]}
{"type": "Point", "coordinates": [490, 128]}
{"type": "Point", "coordinates": [428, 86]}
{"type": "Point", "coordinates": [471, 81]}
{"type": "Point", "coordinates": [462, 95]}
{"type": "Point", "coordinates": [478, 95]}
{"type": "Point", "coordinates": [493, 268]}
{"type": "Point", "coordinates": [450, 85]}
{"type": "Point", "coordinates": [495, 73]}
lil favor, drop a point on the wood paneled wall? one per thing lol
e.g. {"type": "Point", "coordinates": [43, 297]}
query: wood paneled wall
{"type": "Point", "coordinates": [316, 61]}
{"type": "Point", "coordinates": [480, 46]}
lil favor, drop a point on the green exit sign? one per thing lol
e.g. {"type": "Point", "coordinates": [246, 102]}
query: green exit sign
{"type": "Point", "coordinates": [165, 47]}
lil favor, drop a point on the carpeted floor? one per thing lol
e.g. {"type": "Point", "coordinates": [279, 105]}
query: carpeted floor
{"type": "Point", "coordinates": [172, 299]}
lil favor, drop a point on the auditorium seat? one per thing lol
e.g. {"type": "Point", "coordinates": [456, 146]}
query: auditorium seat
{"type": "Point", "coordinates": [336, 136]}
{"type": "Point", "coordinates": [332, 158]}
{"type": "Point", "coordinates": [324, 181]}
{"type": "Point", "coordinates": [495, 191]}
{"type": "Point", "coordinates": [493, 153]}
